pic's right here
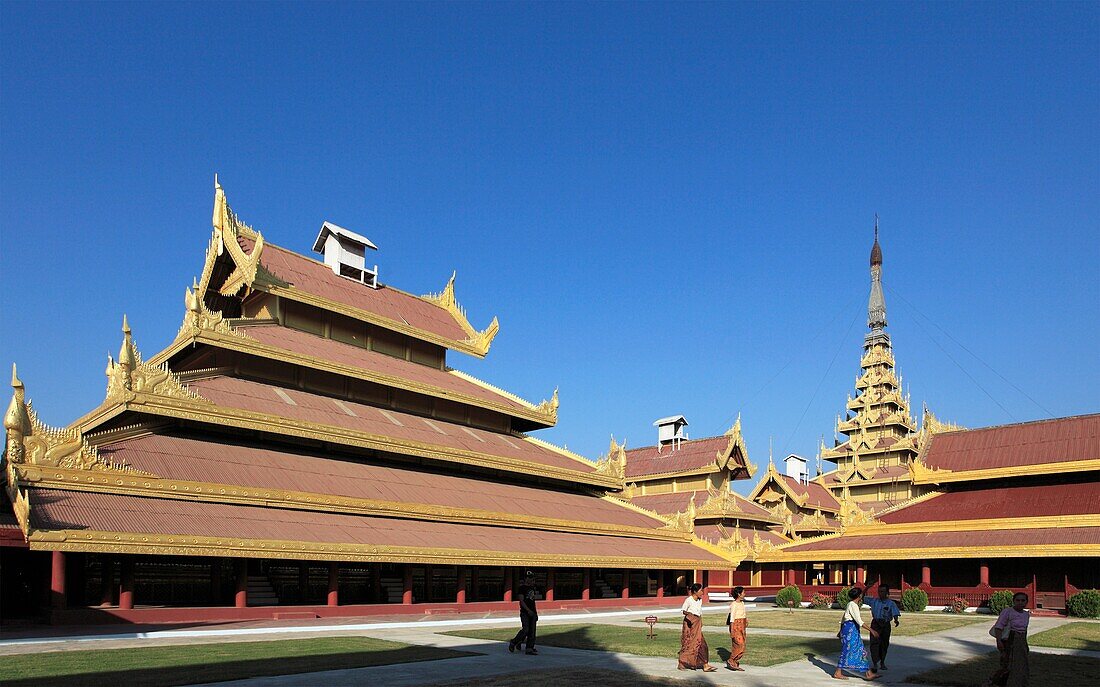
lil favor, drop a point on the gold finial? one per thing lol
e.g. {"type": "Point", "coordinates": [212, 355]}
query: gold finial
{"type": "Point", "coordinates": [217, 186]}
{"type": "Point", "coordinates": [126, 355]}
{"type": "Point", "coordinates": [691, 508]}
{"type": "Point", "coordinates": [554, 403]}
{"type": "Point", "coordinates": [191, 300]}
{"type": "Point", "coordinates": [15, 419]}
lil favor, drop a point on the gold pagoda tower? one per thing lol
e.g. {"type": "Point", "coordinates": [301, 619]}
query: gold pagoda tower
{"type": "Point", "coordinates": [880, 437]}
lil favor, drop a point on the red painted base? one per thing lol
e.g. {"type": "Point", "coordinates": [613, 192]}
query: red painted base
{"type": "Point", "coordinates": [154, 616]}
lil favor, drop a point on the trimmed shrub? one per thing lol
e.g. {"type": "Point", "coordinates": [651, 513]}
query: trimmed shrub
{"type": "Point", "coordinates": [914, 600]}
{"type": "Point", "coordinates": [999, 601]}
{"type": "Point", "coordinates": [819, 601]}
{"type": "Point", "coordinates": [1084, 604]}
{"type": "Point", "coordinates": [841, 599]}
{"type": "Point", "coordinates": [787, 594]}
{"type": "Point", "coordinates": [957, 605]}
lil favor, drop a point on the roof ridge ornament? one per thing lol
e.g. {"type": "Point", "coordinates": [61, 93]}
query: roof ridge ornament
{"type": "Point", "coordinates": [31, 442]}
{"type": "Point", "coordinates": [131, 375]}
{"type": "Point", "coordinates": [479, 340]}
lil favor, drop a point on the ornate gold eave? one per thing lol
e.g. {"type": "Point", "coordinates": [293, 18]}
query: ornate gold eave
{"type": "Point", "coordinates": [919, 473]}
{"type": "Point", "coordinates": [723, 504]}
{"type": "Point", "coordinates": [206, 327]}
{"type": "Point", "coordinates": [735, 445]}
{"type": "Point", "coordinates": [181, 545]}
{"type": "Point", "coordinates": [1033, 522]}
{"type": "Point", "coordinates": [445, 299]}
{"type": "Point", "coordinates": [1001, 551]}
{"type": "Point", "coordinates": [153, 486]}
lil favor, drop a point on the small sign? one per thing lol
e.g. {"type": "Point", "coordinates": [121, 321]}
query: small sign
{"type": "Point", "coordinates": [650, 620]}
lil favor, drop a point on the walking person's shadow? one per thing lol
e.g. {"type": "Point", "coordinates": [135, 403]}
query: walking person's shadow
{"type": "Point", "coordinates": [826, 667]}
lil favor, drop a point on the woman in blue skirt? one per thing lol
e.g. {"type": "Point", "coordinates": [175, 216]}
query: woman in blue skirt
{"type": "Point", "coordinates": [853, 655]}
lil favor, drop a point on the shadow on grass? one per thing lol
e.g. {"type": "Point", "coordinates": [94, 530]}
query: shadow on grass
{"type": "Point", "coordinates": [201, 671]}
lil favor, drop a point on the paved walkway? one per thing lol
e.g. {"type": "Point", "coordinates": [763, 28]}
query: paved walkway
{"type": "Point", "coordinates": [908, 655]}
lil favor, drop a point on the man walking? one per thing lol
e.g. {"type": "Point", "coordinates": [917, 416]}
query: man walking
{"type": "Point", "coordinates": [528, 616]}
{"type": "Point", "coordinates": [883, 610]}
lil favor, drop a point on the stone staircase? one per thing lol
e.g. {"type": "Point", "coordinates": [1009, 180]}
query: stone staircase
{"type": "Point", "coordinates": [602, 591]}
{"type": "Point", "coordinates": [260, 591]}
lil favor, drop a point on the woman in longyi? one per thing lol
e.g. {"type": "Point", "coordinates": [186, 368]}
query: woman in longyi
{"type": "Point", "coordinates": [738, 621]}
{"type": "Point", "coordinates": [694, 652]}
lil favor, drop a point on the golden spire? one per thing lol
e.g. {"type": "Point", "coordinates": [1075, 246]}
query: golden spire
{"type": "Point", "coordinates": [16, 420]}
{"type": "Point", "coordinates": [126, 355]}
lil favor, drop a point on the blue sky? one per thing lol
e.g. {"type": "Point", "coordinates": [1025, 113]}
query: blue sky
{"type": "Point", "coordinates": [668, 206]}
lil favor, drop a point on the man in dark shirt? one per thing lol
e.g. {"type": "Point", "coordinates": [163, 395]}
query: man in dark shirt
{"type": "Point", "coordinates": [883, 610]}
{"type": "Point", "coordinates": [528, 616]}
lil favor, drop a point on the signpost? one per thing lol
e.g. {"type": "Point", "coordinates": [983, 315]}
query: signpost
{"type": "Point", "coordinates": [650, 620]}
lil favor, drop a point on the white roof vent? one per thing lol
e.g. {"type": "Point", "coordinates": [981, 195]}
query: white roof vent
{"type": "Point", "coordinates": [796, 468]}
{"type": "Point", "coordinates": [345, 253]}
{"type": "Point", "coordinates": [670, 431]}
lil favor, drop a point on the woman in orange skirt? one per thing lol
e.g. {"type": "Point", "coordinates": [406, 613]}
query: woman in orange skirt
{"type": "Point", "coordinates": [738, 621]}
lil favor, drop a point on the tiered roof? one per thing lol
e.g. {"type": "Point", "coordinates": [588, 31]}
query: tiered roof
{"type": "Point", "coordinates": [249, 437]}
{"type": "Point", "coordinates": [689, 457]}
{"type": "Point", "coordinates": [1027, 489]}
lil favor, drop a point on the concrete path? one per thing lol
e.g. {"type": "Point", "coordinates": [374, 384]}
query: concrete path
{"type": "Point", "coordinates": [908, 656]}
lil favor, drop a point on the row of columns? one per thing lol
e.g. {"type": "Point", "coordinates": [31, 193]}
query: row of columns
{"type": "Point", "coordinates": [790, 575]}
{"type": "Point", "coordinates": [125, 587]}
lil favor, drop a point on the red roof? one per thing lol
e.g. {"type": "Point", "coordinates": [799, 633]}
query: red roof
{"type": "Point", "coordinates": [978, 538]}
{"type": "Point", "coordinates": [315, 346]}
{"type": "Point", "coordinates": [1081, 498]}
{"type": "Point", "coordinates": [695, 454]}
{"type": "Point", "coordinates": [1030, 443]}
{"type": "Point", "coordinates": [317, 279]}
{"type": "Point", "coordinates": [666, 504]}
{"type": "Point", "coordinates": [197, 460]}
{"type": "Point", "coordinates": [231, 392]}
{"type": "Point", "coordinates": [817, 496]}
{"type": "Point", "coordinates": [70, 510]}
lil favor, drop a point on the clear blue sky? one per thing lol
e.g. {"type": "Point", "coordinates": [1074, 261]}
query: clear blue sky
{"type": "Point", "coordinates": [668, 206]}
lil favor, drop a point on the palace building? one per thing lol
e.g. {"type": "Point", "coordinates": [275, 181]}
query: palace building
{"type": "Point", "coordinates": [953, 511]}
{"type": "Point", "coordinates": [303, 449]}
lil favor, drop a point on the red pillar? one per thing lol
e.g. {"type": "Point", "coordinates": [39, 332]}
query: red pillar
{"type": "Point", "coordinates": [925, 574]}
{"type": "Point", "coordinates": [333, 584]}
{"type": "Point", "coordinates": [860, 580]}
{"type": "Point", "coordinates": [460, 591]}
{"type": "Point", "coordinates": [126, 583]}
{"type": "Point", "coordinates": [376, 584]}
{"type": "Point", "coordinates": [792, 576]}
{"type": "Point", "coordinates": [241, 598]}
{"type": "Point", "coordinates": [660, 584]}
{"type": "Point", "coordinates": [106, 589]}
{"type": "Point", "coordinates": [508, 585]}
{"type": "Point", "coordinates": [586, 590]}
{"type": "Point", "coordinates": [407, 586]}
{"type": "Point", "coordinates": [626, 584]}
{"type": "Point", "coordinates": [983, 574]}
{"type": "Point", "coordinates": [57, 579]}
{"type": "Point", "coordinates": [550, 584]}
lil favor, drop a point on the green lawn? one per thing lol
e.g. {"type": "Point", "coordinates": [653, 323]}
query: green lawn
{"type": "Point", "coordinates": [162, 666]}
{"type": "Point", "coordinates": [1046, 669]}
{"type": "Point", "coordinates": [829, 621]}
{"type": "Point", "coordinates": [1079, 635]}
{"type": "Point", "coordinates": [763, 650]}
{"type": "Point", "coordinates": [568, 678]}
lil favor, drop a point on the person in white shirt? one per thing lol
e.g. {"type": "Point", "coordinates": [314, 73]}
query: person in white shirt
{"type": "Point", "coordinates": [853, 655]}
{"type": "Point", "coordinates": [738, 621]}
{"type": "Point", "coordinates": [694, 652]}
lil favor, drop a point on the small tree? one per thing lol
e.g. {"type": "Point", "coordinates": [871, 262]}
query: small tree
{"type": "Point", "coordinates": [914, 600]}
{"type": "Point", "coordinates": [1084, 604]}
{"type": "Point", "coordinates": [999, 601]}
{"type": "Point", "coordinates": [841, 599]}
{"type": "Point", "coordinates": [788, 594]}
